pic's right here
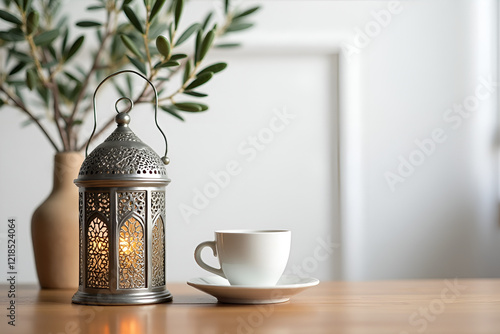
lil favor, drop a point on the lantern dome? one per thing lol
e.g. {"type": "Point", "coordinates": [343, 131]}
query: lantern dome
{"type": "Point", "coordinates": [123, 156]}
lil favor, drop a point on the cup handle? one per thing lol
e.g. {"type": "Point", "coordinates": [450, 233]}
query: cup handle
{"type": "Point", "coordinates": [197, 258]}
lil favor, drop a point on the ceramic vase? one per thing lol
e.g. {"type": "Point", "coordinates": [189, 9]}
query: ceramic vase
{"type": "Point", "coordinates": [55, 227]}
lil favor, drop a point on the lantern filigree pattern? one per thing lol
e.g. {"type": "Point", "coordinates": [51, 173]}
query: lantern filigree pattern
{"type": "Point", "coordinates": [158, 242]}
{"type": "Point", "coordinates": [131, 201]}
{"type": "Point", "coordinates": [158, 256]}
{"type": "Point", "coordinates": [129, 160]}
{"type": "Point", "coordinates": [97, 202]}
{"type": "Point", "coordinates": [97, 254]}
{"type": "Point", "coordinates": [122, 217]}
{"type": "Point", "coordinates": [131, 255]}
{"type": "Point", "coordinates": [80, 203]}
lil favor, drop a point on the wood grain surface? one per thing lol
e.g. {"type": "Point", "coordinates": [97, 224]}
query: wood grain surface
{"type": "Point", "coordinates": [390, 307]}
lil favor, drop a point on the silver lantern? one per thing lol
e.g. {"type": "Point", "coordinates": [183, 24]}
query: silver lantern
{"type": "Point", "coordinates": [122, 218]}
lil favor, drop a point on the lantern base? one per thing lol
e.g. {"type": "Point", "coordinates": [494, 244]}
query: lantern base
{"type": "Point", "coordinates": [106, 298]}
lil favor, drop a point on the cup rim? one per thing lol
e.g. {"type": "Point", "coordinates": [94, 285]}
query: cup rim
{"type": "Point", "coordinates": [248, 231]}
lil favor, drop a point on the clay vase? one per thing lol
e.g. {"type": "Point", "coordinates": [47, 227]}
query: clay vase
{"type": "Point", "coordinates": [55, 227]}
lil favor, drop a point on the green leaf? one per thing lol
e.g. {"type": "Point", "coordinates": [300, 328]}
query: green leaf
{"type": "Point", "coordinates": [187, 70]}
{"type": "Point", "coordinates": [193, 93]}
{"type": "Point", "coordinates": [50, 64]}
{"type": "Point", "coordinates": [187, 33]}
{"type": "Point", "coordinates": [178, 56]}
{"type": "Point", "coordinates": [226, 6]}
{"type": "Point", "coordinates": [215, 68]}
{"type": "Point", "coordinates": [26, 5]}
{"type": "Point", "coordinates": [131, 46]}
{"type": "Point", "coordinates": [129, 85]}
{"type": "Point", "coordinates": [32, 22]}
{"type": "Point", "coordinates": [207, 20]}
{"type": "Point", "coordinates": [207, 43]}
{"type": "Point", "coordinates": [163, 46]}
{"type": "Point", "coordinates": [44, 93]}
{"type": "Point", "coordinates": [6, 16]}
{"type": "Point", "coordinates": [178, 12]}
{"type": "Point", "coordinates": [138, 64]}
{"type": "Point", "coordinates": [200, 80]}
{"type": "Point", "coordinates": [71, 77]}
{"type": "Point", "coordinates": [46, 37]}
{"type": "Point", "coordinates": [238, 26]}
{"type": "Point", "coordinates": [119, 89]}
{"type": "Point", "coordinates": [20, 56]}
{"type": "Point", "coordinates": [88, 24]}
{"type": "Point", "coordinates": [172, 112]}
{"type": "Point", "coordinates": [190, 106]}
{"type": "Point", "coordinates": [17, 68]}
{"type": "Point", "coordinates": [64, 41]}
{"type": "Point", "coordinates": [227, 45]}
{"type": "Point", "coordinates": [170, 63]}
{"type": "Point", "coordinates": [96, 7]}
{"type": "Point", "coordinates": [74, 48]}
{"type": "Point", "coordinates": [31, 78]}
{"type": "Point", "coordinates": [13, 35]}
{"type": "Point", "coordinates": [197, 45]}
{"type": "Point", "coordinates": [156, 8]}
{"type": "Point", "coordinates": [133, 19]}
{"type": "Point", "coordinates": [52, 51]}
{"type": "Point", "coordinates": [74, 93]}
{"type": "Point", "coordinates": [246, 13]}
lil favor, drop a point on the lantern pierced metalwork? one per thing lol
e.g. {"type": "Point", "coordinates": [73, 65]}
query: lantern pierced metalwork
{"type": "Point", "coordinates": [122, 217]}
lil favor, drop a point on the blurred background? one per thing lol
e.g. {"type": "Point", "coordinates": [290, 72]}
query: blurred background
{"type": "Point", "coordinates": [368, 128]}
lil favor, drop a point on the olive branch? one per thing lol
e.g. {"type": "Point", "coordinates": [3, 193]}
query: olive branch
{"type": "Point", "coordinates": [39, 53]}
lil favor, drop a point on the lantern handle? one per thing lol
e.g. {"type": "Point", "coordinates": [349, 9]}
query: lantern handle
{"type": "Point", "coordinates": [165, 159]}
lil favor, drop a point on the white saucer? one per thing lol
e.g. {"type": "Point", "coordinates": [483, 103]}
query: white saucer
{"type": "Point", "coordinates": [219, 287]}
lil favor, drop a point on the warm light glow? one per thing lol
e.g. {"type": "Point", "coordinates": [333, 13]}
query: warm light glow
{"type": "Point", "coordinates": [124, 246]}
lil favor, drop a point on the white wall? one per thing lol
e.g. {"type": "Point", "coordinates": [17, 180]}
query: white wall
{"type": "Point", "coordinates": [440, 222]}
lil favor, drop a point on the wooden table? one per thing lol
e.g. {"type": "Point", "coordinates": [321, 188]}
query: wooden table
{"type": "Point", "coordinates": [388, 307]}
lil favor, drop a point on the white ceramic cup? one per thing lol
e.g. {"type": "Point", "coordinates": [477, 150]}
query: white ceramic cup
{"type": "Point", "coordinates": [248, 257]}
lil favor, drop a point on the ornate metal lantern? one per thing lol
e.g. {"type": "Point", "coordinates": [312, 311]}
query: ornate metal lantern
{"type": "Point", "coordinates": [122, 218]}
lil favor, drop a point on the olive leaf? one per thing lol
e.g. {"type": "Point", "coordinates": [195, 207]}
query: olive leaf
{"type": "Point", "coordinates": [74, 48]}
{"type": "Point", "coordinates": [246, 13]}
{"type": "Point", "coordinates": [138, 64]}
{"type": "Point", "coordinates": [207, 20]}
{"type": "Point", "coordinates": [131, 46]}
{"type": "Point", "coordinates": [96, 7]}
{"type": "Point", "coordinates": [88, 24]}
{"type": "Point", "coordinates": [31, 78]}
{"type": "Point", "coordinates": [13, 35]}
{"type": "Point", "coordinates": [215, 68]}
{"type": "Point", "coordinates": [187, 70]}
{"type": "Point", "coordinates": [190, 106]}
{"type": "Point", "coordinates": [200, 80]}
{"type": "Point", "coordinates": [227, 45]}
{"type": "Point", "coordinates": [156, 8]}
{"type": "Point", "coordinates": [6, 16]}
{"type": "Point", "coordinates": [187, 33]}
{"type": "Point", "coordinates": [133, 19]}
{"type": "Point", "coordinates": [238, 26]}
{"type": "Point", "coordinates": [170, 63]}
{"type": "Point", "coordinates": [32, 22]}
{"type": "Point", "coordinates": [193, 93]}
{"type": "Point", "coordinates": [206, 44]}
{"type": "Point", "coordinates": [163, 46]}
{"type": "Point", "coordinates": [179, 4]}
{"type": "Point", "coordinates": [178, 56]}
{"type": "Point", "coordinates": [172, 112]}
{"type": "Point", "coordinates": [17, 68]}
{"type": "Point", "coordinates": [46, 37]}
